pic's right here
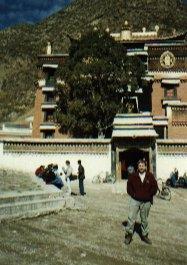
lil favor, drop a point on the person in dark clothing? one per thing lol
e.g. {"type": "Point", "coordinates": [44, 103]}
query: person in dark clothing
{"type": "Point", "coordinates": [174, 178]}
{"type": "Point", "coordinates": [49, 175]}
{"type": "Point", "coordinates": [141, 187]}
{"type": "Point", "coordinates": [57, 182]}
{"type": "Point", "coordinates": [40, 171]}
{"type": "Point", "coordinates": [81, 177]}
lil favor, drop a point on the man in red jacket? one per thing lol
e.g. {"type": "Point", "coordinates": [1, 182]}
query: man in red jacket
{"type": "Point", "coordinates": [141, 187]}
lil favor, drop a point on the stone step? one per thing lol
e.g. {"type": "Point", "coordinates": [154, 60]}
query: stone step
{"type": "Point", "coordinates": [29, 196]}
{"type": "Point", "coordinates": [31, 208]}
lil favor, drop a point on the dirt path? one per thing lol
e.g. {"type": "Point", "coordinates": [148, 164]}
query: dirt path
{"type": "Point", "coordinates": [94, 234]}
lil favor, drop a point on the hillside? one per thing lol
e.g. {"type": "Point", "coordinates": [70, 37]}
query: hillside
{"type": "Point", "coordinates": [20, 45]}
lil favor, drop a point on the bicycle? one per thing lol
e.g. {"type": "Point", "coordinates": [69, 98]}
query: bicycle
{"type": "Point", "coordinates": [97, 179]}
{"type": "Point", "coordinates": [104, 177]}
{"type": "Point", "coordinates": [163, 190]}
{"type": "Point", "coordinates": [180, 183]}
{"type": "Point", "coordinates": [110, 179]}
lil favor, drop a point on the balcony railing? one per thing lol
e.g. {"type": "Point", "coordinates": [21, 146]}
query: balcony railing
{"type": "Point", "coordinates": [48, 88]}
{"type": "Point", "coordinates": [51, 59]}
{"type": "Point", "coordinates": [47, 126]}
{"type": "Point", "coordinates": [12, 129]}
{"type": "Point", "coordinates": [51, 104]}
{"type": "Point", "coordinates": [171, 98]}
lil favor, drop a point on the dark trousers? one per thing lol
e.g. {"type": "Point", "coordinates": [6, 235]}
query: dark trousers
{"type": "Point", "coordinates": [57, 182]}
{"type": "Point", "coordinates": [81, 186]}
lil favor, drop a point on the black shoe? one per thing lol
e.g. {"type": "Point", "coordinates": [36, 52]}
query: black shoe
{"type": "Point", "coordinates": [146, 240]}
{"type": "Point", "coordinates": [128, 239]}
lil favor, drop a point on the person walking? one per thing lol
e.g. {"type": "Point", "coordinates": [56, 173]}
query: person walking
{"type": "Point", "coordinates": [68, 174]}
{"type": "Point", "coordinates": [81, 177]}
{"type": "Point", "coordinates": [141, 187]}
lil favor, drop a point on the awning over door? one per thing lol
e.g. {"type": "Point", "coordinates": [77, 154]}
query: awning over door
{"type": "Point", "coordinates": [170, 81]}
{"type": "Point", "coordinates": [133, 125]}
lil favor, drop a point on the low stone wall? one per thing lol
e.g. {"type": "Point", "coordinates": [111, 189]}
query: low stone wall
{"type": "Point", "coordinates": [32, 204]}
{"type": "Point", "coordinates": [15, 130]}
{"type": "Point", "coordinates": [28, 154]}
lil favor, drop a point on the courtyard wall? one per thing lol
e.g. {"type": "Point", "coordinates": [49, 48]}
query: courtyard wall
{"type": "Point", "coordinates": [171, 154]}
{"type": "Point", "coordinates": [95, 154]}
{"type": "Point", "coordinates": [27, 155]}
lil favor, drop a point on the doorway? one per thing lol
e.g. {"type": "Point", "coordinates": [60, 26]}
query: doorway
{"type": "Point", "coordinates": [131, 157]}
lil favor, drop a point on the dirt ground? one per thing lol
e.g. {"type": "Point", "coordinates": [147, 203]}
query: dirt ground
{"type": "Point", "coordinates": [17, 181]}
{"type": "Point", "coordinates": [94, 233]}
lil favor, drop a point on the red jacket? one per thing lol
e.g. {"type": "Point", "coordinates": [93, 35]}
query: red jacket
{"type": "Point", "coordinates": [142, 191]}
{"type": "Point", "coordinates": [39, 171]}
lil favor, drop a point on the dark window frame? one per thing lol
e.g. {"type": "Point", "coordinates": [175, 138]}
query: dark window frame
{"type": "Point", "coordinates": [171, 88]}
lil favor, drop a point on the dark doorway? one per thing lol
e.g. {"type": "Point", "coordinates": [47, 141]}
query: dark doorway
{"type": "Point", "coordinates": [131, 157]}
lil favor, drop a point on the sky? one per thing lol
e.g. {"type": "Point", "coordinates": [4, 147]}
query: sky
{"type": "Point", "coordinates": [13, 12]}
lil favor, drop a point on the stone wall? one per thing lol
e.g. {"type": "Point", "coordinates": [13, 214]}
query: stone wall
{"type": "Point", "coordinates": [28, 154]}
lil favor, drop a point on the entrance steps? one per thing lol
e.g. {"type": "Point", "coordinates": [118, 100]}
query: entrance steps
{"type": "Point", "coordinates": [30, 204]}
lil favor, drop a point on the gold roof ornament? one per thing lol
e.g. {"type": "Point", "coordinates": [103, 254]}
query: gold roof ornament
{"type": "Point", "coordinates": [48, 50]}
{"type": "Point", "coordinates": [174, 32]}
{"type": "Point", "coordinates": [144, 29]}
{"type": "Point", "coordinates": [157, 28]}
{"type": "Point", "coordinates": [126, 25]}
{"type": "Point", "coordinates": [167, 59]}
{"type": "Point", "coordinates": [126, 33]}
{"type": "Point", "coordinates": [107, 30]}
{"type": "Point", "coordinates": [79, 35]}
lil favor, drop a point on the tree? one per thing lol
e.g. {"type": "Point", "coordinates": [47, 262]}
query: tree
{"type": "Point", "coordinates": [96, 77]}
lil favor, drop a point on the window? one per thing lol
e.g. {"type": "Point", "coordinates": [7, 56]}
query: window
{"type": "Point", "coordinates": [50, 79]}
{"type": "Point", "coordinates": [49, 116]}
{"type": "Point", "coordinates": [48, 134]}
{"type": "Point", "coordinates": [160, 131]}
{"type": "Point", "coordinates": [170, 92]}
{"type": "Point", "coordinates": [49, 97]}
{"type": "Point", "coordinates": [131, 106]}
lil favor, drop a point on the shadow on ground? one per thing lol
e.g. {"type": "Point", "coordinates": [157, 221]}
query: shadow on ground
{"type": "Point", "coordinates": [137, 228]}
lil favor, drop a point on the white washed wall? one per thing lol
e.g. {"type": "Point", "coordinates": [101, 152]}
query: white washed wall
{"type": "Point", "coordinates": [165, 164]}
{"type": "Point", "coordinates": [93, 163]}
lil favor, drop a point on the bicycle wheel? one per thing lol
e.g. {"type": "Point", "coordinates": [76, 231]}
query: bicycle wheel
{"type": "Point", "coordinates": [159, 183]}
{"type": "Point", "coordinates": [96, 179]}
{"type": "Point", "coordinates": [111, 179]}
{"type": "Point", "coordinates": [165, 194]}
{"type": "Point", "coordinates": [168, 182]}
{"type": "Point", "coordinates": [181, 182]}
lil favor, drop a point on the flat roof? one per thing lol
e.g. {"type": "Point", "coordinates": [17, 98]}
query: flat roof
{"type": "Point", "coordinates": [54, 55]}
{"type": "Point", "coordinates": [56, 141]}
